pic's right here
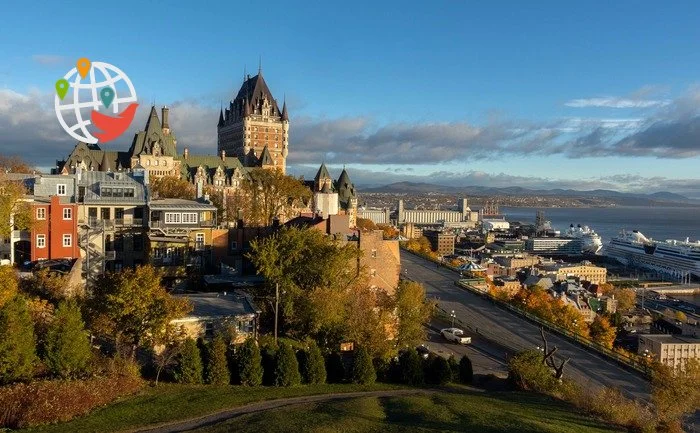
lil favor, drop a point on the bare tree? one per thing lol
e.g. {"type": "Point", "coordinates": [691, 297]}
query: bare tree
{"type": "Point", "coordinates": [549, 359]}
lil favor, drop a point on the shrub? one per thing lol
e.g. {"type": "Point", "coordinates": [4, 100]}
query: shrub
{"type": "Point", "coordinates": [466, 372]}
{"type": "Point", "coordinates": [411, 367]}
{"type": "Point", "coordinates": [383, 368]}
{"type": "Point", "coordinates": [17, 341]}
{"type": "Point", "coordinates": [67, 347]}
{"type": "Point", "coordinates": [335, 368]}
{"type": "Point", "coordinates": [439, 372]}
{"type": "Point", "coordinates": [314, 366]}
{"type": "Point", "coordinates": [269, 364]}
{"type": "Point", "coordinates": [287, 368]}
{"type": "Point", "coordinates": [217, 366]}
{"type": "Point", "coordinates": [454, 368]}
{"type": "Point", "coordinates": [249, 362]}
{"type": "Point", "coordinates": [43, 402]}
{"type": "Point", "coordinates": [527, 371]}
{"type": "Point", "coordinates": [362, 368]}
{"type": "Point", "coordinates": [189, 364]}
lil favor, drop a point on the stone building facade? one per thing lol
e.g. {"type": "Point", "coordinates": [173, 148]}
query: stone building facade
{"type": "Point", "coordinates": [253, 128]}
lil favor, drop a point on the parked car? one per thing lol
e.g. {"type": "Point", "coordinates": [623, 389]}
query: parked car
{"type": "Point", "coordinates": [455, 335]}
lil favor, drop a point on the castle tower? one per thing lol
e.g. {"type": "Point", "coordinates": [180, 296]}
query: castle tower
{"type": "Point", "coordinates": [322, 178]}
{"type": "Point", "coordinates": [252, 122]}
{"type": "Point", "coordinates": [347, 197]}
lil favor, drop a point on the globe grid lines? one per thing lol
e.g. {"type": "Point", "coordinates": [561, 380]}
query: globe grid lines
{"type": "Point", "coordinates": [76, 85]}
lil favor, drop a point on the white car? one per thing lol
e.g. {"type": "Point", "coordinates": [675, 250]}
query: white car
{"type": "Point", "coordinates": [455, 335]}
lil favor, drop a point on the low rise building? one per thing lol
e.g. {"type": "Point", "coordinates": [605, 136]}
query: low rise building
{"type": "Point", "coordinates": [441, 242]}
{"type": "Point", "coordinates": [671, 350]}
{"type": "Point", "coordinates": [583, 271]}
{"type": "Point", "coordinates": [510, 285]}
{"type": "Point", "coordinates": [227, 312]}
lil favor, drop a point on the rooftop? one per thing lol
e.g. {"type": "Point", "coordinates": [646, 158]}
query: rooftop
{"type": "Point", "coordinates": [671, 338]}
{"type": "Point", "coordinates": [220, 305]}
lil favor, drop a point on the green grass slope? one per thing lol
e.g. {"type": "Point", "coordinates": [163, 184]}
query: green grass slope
{"type": "Point", "coordinates": [455, 411]}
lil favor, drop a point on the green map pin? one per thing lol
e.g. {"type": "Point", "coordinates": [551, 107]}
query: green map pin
{"type": "Point", "coordinates": [107, 95]}
{"type": "Point", "coordinates": [62, 87]}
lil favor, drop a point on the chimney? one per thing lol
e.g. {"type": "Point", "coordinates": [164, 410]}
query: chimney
{"type": "Point", "coordinates": [223, 155]}
{"type": "Point", "coordinates": [199, 188]}
{"type": "Point", "coordinates": [186, 153]}
{"type": "Point", "coordinates": [165, 112]}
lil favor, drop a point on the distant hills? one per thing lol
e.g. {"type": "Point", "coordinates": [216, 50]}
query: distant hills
{"type": "Point", "coordinates": [619, 198]}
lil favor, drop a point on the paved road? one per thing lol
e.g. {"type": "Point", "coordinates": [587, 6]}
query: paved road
{"type": "Point", "coordinates": [486, 357]}
{"type": "Point", "coordinates": [587, 368]}
{"type": "Point", "coordinates": [207, 420]}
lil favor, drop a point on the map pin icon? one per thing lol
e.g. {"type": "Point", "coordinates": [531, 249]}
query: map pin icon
{"type": "Point", "coordinates": [62, 87]}
{"type": "Point", "coordinates": [107, 96]}
{"type": "Point", "coordinates": [83, 65]}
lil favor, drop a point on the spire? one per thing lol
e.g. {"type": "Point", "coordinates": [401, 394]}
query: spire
{"type": "Point", "coordinates": [322, 173]}
{"type": "Point", "coordinates": [260, 65]}
{"type": "Point", "coordinates": [221, 117]}
{"type": "Point", "coordinates": [285, 115]}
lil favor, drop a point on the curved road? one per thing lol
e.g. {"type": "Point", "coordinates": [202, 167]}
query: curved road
{"type": "Point", "coordinates": [516, 333]}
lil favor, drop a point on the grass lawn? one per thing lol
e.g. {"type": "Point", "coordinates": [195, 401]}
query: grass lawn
{"type": "Point", "coordinates": [458, 411]}
{"type": "Point", "coordinates": [170, 402]}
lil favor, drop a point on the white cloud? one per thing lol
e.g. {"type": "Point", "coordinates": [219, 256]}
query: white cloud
{"type": "Point", "coordinates": [614, 102]}
{"type": "Point", "coordinates": [50, 59]}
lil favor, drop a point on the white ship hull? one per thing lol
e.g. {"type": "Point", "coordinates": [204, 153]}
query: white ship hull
{"type": "Point", "coordinates": [670, 257]}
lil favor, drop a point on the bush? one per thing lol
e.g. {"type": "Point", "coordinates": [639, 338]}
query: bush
{"type": "Point", "coordinates": [335, 368]}
{"type": "Point", "coordinates": [287, 368]}
{"type": "Point", "coordinates": [411, 367]}
{"type": "Point", "coordinates": [383, 368]}
{"type": "Point", "coordinates": [466, 372]}
{"type": "Point", "coordinates": [43, 402]}
{"type": "Point", "coordinates": [269, 364]}
{"type": "Point", "coordinates": [249, 362]}
{"type": "Point", "coordinates": [437, 370]}
{"type": "Point", "coordinates": [314, 367]}
{"type": "Point", "coordinates": [67, 347]}
{"type": "Point", "coordinates": [217, 366]}
{"type": "Point", "coordinates": [189, 364]}
{"type": "Point", "coordinates": [527, 371]}
{"type": "Point", "coordinates": [454, 368]}
{"type": "Point", "coordinates": [362, 368]}
{"type": "Point", "coordinates": [17, 342]}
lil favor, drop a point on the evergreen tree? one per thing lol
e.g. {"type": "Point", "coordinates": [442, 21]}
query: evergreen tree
{"type": "Point", "coordinates": [17, 341]}
{"type": "Point", "coordinates": [189, 366]}
{"type": "Point", "coordinates": [335, 369]}
{"type": "Point", "coordinates": [249, 361]}
{"type": "Point", "coordinates": [411, 367]}
{"type": "Point", "coordinates": [440, 371]}
{"type": "Point", "coordinates": [466, 373]}
{"type": "Point", "coordinates": [287, 369]}
{"type": "Point", "coordinates": [314, 368]}
{"type": "Point", "coordinates": [362, 368]}
{"type": "Point", "coordinates": [454, 368]}
{"type": "Point", "coordinates": [217, 365]}
{"type": "Point", "coordinates": [269, 364]}
{"type": "Point", "coordinates": [67, 347]}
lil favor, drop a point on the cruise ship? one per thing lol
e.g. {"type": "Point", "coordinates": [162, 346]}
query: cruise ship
{"type": "Point", "coordinates": [678, 258]}
{"type": "Point", "coordinates": [590, 240]}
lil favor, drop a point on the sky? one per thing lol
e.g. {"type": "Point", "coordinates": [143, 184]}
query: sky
{"type": "Point", "coordinates": [541, 94]}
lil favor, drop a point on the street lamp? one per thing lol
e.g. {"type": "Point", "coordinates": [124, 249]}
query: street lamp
{"type": "Point", "coordinates": [453, 315]}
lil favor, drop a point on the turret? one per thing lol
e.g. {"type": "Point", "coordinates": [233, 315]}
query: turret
{"type": "Point", "coordinates": [221, 118]}
{"type": "Point", "coordinates": [166, 126]}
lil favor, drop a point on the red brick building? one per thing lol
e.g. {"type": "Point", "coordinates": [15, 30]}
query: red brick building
{"type": "Point", "coordinates": [55, 230]}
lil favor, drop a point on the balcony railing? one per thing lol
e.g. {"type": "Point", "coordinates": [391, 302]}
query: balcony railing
{"type": "Point", "coordinates": [110, 223]}
{"type": "Point", "coordinates": [200, 224]}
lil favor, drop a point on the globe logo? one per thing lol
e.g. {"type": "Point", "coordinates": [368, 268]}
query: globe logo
{"type": "Point", "coordinates": [85, 97]}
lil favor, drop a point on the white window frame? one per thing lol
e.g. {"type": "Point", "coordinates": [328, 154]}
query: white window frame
{"type": "Point", "coordinates": [61, 189]}
{"type": "Point", "coordinates": [199, 237]}
{"type": "Point", "coordinates": [41, 213]}
{"type": "Point", "coordinates": [173, 218]}
{"type": "Point", "coordinates": [68, 238]}
{"type": "Point", "coordinates": [67, 211]}
{"type": "Point", "coordinates": [41, 241]}
{"type": "Point", "coordinates": [190, 218]}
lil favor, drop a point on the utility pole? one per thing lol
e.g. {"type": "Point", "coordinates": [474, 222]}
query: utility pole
{"type": "Point", "coordinates": [277, 304]}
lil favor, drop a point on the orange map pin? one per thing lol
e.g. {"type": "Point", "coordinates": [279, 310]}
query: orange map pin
{"type": "Point", "coordinates": [83, 66]}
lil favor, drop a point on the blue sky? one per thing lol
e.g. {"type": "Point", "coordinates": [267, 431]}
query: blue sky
{"type": "Point", "coordinates": [461, 92]}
